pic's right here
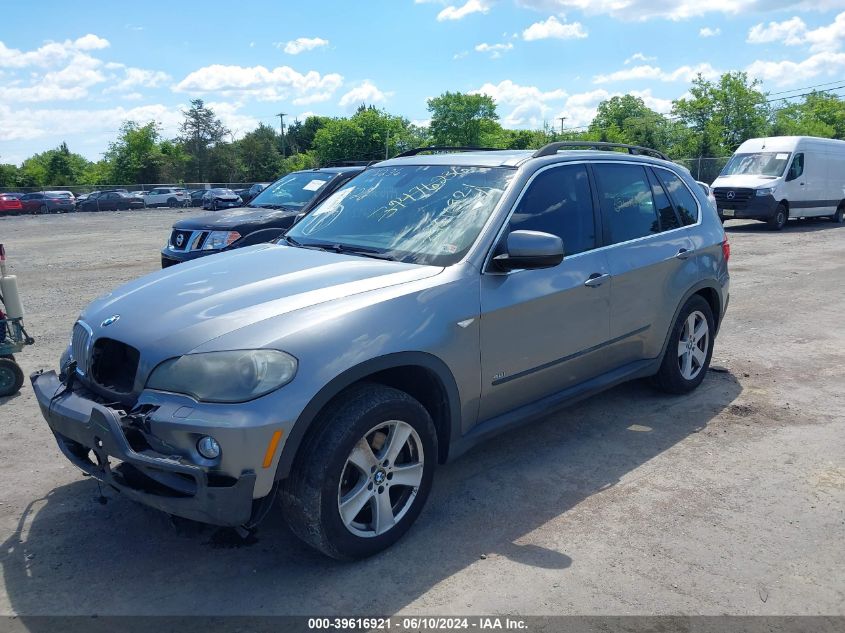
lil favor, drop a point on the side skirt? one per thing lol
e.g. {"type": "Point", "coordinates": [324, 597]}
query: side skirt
{"type": "Point", "coordinates": [552, 403]}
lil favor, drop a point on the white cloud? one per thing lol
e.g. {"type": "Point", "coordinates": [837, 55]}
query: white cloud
{"type": "Point", "coordinates": [794, 32]}
{"type": "Point", "coordinates": [554, 28]}
{"type": "Point", "coordinates": [640, 10]}
{"type": "Point", "coordinates": [457, 13]}
{"type": "Point", "coordinates": [50, 54]}
{"type": "Point", "coordinates": [655, 73]}
{"type": "Point", "coordinates": [301, 44]}
{"type": "Point", "coordinates": [460, 55]}
{"type": "Point", "coordinates": [639, 57]}
{"type": "Point", "coordinates": [139, 77]}
{"type": "Point", "coordinates": [787, 72]}
{"type": "Point", "coordinates": [495, 50]}
{"type": "Point", "coordinates": [708, 32]}
{"type": "Point", "coordinates": [529, 106]}
{"type": "Point", "coordinates": [282, 82]}
{"type": "Point", "coordinates": [366, 92]}
{"type": "Point", "coordinates": [789, 32]}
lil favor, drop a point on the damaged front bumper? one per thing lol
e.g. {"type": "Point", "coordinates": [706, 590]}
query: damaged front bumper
{"type": "Point", "coordinates": [96, 439]}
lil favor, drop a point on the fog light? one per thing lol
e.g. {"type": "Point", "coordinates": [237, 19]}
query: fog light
{"type": "Point", "coordinates": [208, 447]}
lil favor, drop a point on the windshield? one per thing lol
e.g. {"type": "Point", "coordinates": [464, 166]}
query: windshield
{"type": "Point", "coordinates": [757, 164]}
{"type": "Point", "coordinates": [294, 190]}
{"type": "Point", "coordinates": [417, 214]}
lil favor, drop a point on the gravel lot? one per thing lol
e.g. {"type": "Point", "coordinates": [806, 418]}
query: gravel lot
{"type": "Point", "coordinates": [731, 500]}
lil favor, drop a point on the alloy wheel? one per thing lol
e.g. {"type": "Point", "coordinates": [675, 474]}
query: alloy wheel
{"type": "Point", "coordinates": [693, 345]}
{"type": "Point", "coordinates": [380, 478]}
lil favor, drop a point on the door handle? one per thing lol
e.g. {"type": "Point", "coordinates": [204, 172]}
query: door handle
{"type": "Point", "coordinates": [683, 254]}
{"type": "Point", "coordinates": [596, 279]}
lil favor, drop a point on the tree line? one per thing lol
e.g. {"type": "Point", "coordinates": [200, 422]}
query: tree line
{"type": "Point", "coordinates": [712, 121]}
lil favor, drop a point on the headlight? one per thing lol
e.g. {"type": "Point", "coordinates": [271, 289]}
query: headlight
{"type": "Point", "coordinates": [235, 376]}
{"type": "Point", "coordinates": [769, 191]}
{"type": "Point", "coordinates": [219, 239]}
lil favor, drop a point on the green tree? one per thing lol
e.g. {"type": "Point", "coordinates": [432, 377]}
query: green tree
{"type": "Point", "coordinates": [200, 131]}
{"type": "Point", "coordinates": [370, 134]}
{"type": "Point", "coordinates": [8, 176]}
{"type": "Point", "coordinates": [57, 166]}
{"type": "Point", "coordinates": [135, 156]}
{"type": "Point", "coordinates": [721, 115]}
{"type": "Point", "coordinates": [299, 136]}
{"type": "Point", "coordinates": [462, 119]}
{"type": "Point", "coordinates": [259, 154]}
{"type": "Point", "coordinates": [820, 114]}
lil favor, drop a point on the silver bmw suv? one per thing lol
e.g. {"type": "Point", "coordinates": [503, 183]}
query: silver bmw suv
{"type": "Point", "coordinates": [433, 301]}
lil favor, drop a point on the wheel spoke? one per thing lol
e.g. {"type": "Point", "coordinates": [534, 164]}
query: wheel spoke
{"type": "Point", "coordinates": [354, 501]}
{"type": "Point", "coordinates": [699, 356]}
{"type": "Point", "coordinates": [682, 348]}
{"type": "Point", "coordinates": [700, 331]}
{"type": "Point", "coordinates": [407, 475]}
{"type": "Point", "coordinates": [383, 518]}
{"type": "Point", "coordinates": [686, 369]}
{"type": "Point", "coordinates": [398, 436]}
{"type": "Point", "coordinates": [690, 326]}
{"type": "Point", "coordinates": [362, 456]}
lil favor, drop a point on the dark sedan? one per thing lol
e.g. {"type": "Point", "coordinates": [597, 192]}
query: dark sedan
{"type": "Point", "coordinates": [46, 202]}
{"type": "Point", "coordinates": [111, 201]}
{"type": "Point", "coordinates": [272, 211]}
{"type": "Point", "coordinates": [215, 199]}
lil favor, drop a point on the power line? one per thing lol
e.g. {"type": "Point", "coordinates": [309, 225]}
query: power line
{"type": "Point", "coordinates": [807, 87]}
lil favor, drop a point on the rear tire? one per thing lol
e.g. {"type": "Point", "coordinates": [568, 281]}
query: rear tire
{"type": "Point", "coordinates": [839, 216]}
{"type": "Point", "coordinates": [43, 209]}
{"type": "Point", "coordinates": [344, 496]}
{"type": "Point", "coordinates": [779, 219]}
{"type": "Point", "coordinates": [11, 377]}
{"type": "Point", "coordinates": [689, 349]}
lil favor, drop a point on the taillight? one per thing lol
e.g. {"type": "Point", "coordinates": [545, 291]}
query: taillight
{"type": "Point", "coordinates": [726, 248]}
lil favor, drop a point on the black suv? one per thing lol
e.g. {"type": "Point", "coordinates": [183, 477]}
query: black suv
{"type": "Point", "coordinates": [272, 211]}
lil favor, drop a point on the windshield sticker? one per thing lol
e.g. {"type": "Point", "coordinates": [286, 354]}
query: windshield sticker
{"type": "Point", "coordinates": [450, 248]}
{"type": "Point", "coordinates": [314, 185]}
{"type": "Point", "coordinates": [782, 156]}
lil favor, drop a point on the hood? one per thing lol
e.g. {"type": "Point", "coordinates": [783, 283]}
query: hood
{"type": "Point", "coordinates": [233, 217]}
{"type": "Point", "coordinates": [746, 181]}
{"type": "Point", "coordinates": [172, 311]}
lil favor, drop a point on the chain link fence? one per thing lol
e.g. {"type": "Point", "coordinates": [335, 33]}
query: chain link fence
{"type": "Point", "coordinates": [80, 189]}
{"type": "Point", "coordinates": [704, 169]}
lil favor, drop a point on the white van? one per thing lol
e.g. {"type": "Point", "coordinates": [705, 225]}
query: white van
{"type": "Point", "coordinates": [781, 177]}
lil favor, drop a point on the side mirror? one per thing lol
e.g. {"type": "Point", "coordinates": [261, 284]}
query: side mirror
{"type": "Point", "coordinates": [256, 237]}
{"type": "Point", "coordinates": [530, 250]}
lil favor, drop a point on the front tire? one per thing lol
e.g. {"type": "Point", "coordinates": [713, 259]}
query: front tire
{"type": "Point", "coordinates": [690, 348]}
{"type": "Point", "coordinates": [779, 219]}
{"type": "Point", "coordinates": [362, 479]}
{"type": "Point", "coordinates": [839, 216]}
{"type": "Point", "coordinates": [11, 377]}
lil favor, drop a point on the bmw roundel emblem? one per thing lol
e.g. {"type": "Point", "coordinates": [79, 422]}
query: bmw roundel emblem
{"type": "Point", "coordinates": [112, 319]}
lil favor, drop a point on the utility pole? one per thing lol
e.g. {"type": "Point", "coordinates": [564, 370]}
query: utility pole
{"type": "Point", "coordinates": [561, 119]}
{"type": "Point", "coordinates": [386, 145]}
{"type": "Point", "coordinates": [282, 116]}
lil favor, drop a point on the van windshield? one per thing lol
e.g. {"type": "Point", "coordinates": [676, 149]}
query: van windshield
{"type": "Point", "coordinates": [758, 164]}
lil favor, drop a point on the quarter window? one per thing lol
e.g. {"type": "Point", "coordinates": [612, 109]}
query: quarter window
{"type": "Point", "coordinates": [665, 210]}
{"type": "Point", "coordinates": [681, 197]}
{"type": "Point", "coordinates": [626, 201]}
{"type": "Point", "coordinates": [559, 201]}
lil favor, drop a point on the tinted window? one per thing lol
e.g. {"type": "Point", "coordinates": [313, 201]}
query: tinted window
{"type": "Point", "coordinates": [797, 167]}
{"type": "Point", "coordinates": [665, 211]}
{"type": "Point", "coordinates": [683, 200]}
{"type": "Point", "coordinates": [626, 201]}
{"type": "Point", "coordinates": [559, 201]}
{"type": "Point", "coordinates": [294, 190]}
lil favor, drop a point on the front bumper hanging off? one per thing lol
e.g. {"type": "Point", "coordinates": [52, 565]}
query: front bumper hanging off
{"type": "Point", "coordinates": [93, 437]}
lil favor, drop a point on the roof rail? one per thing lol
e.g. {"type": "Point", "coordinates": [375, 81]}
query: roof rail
{"type": "Point", "coordinates": [552, 148]}
{"type": "Point", "coordinates": [349, 163]}
{"type": "Point", "coordinates": [447, 148]}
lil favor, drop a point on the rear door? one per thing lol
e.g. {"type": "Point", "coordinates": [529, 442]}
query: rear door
{"type": "Point", "coordinates": [542, 330]}
{"type": "Point", "coordinates": [650, 256]}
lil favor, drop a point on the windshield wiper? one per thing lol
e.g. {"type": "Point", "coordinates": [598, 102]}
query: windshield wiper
{"type": "Point", "coordinates": [269, 206]}
{"type": "Point", "coordinates": [343, 249]}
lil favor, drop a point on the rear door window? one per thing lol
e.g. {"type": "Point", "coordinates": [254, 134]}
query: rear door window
{"type": "Point", "coordinates": [681, 196]}
{"type": "Point", "coordinates": [626, 201]}
{"type": "Point", "coordinates": [559, 201]}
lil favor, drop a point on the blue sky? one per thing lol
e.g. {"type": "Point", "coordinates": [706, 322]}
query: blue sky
{"type": "Point", "coordinates": [75, 71]}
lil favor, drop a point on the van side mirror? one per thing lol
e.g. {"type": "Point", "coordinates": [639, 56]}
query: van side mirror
{"type": "Point", "coordinates": [530, 250]}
